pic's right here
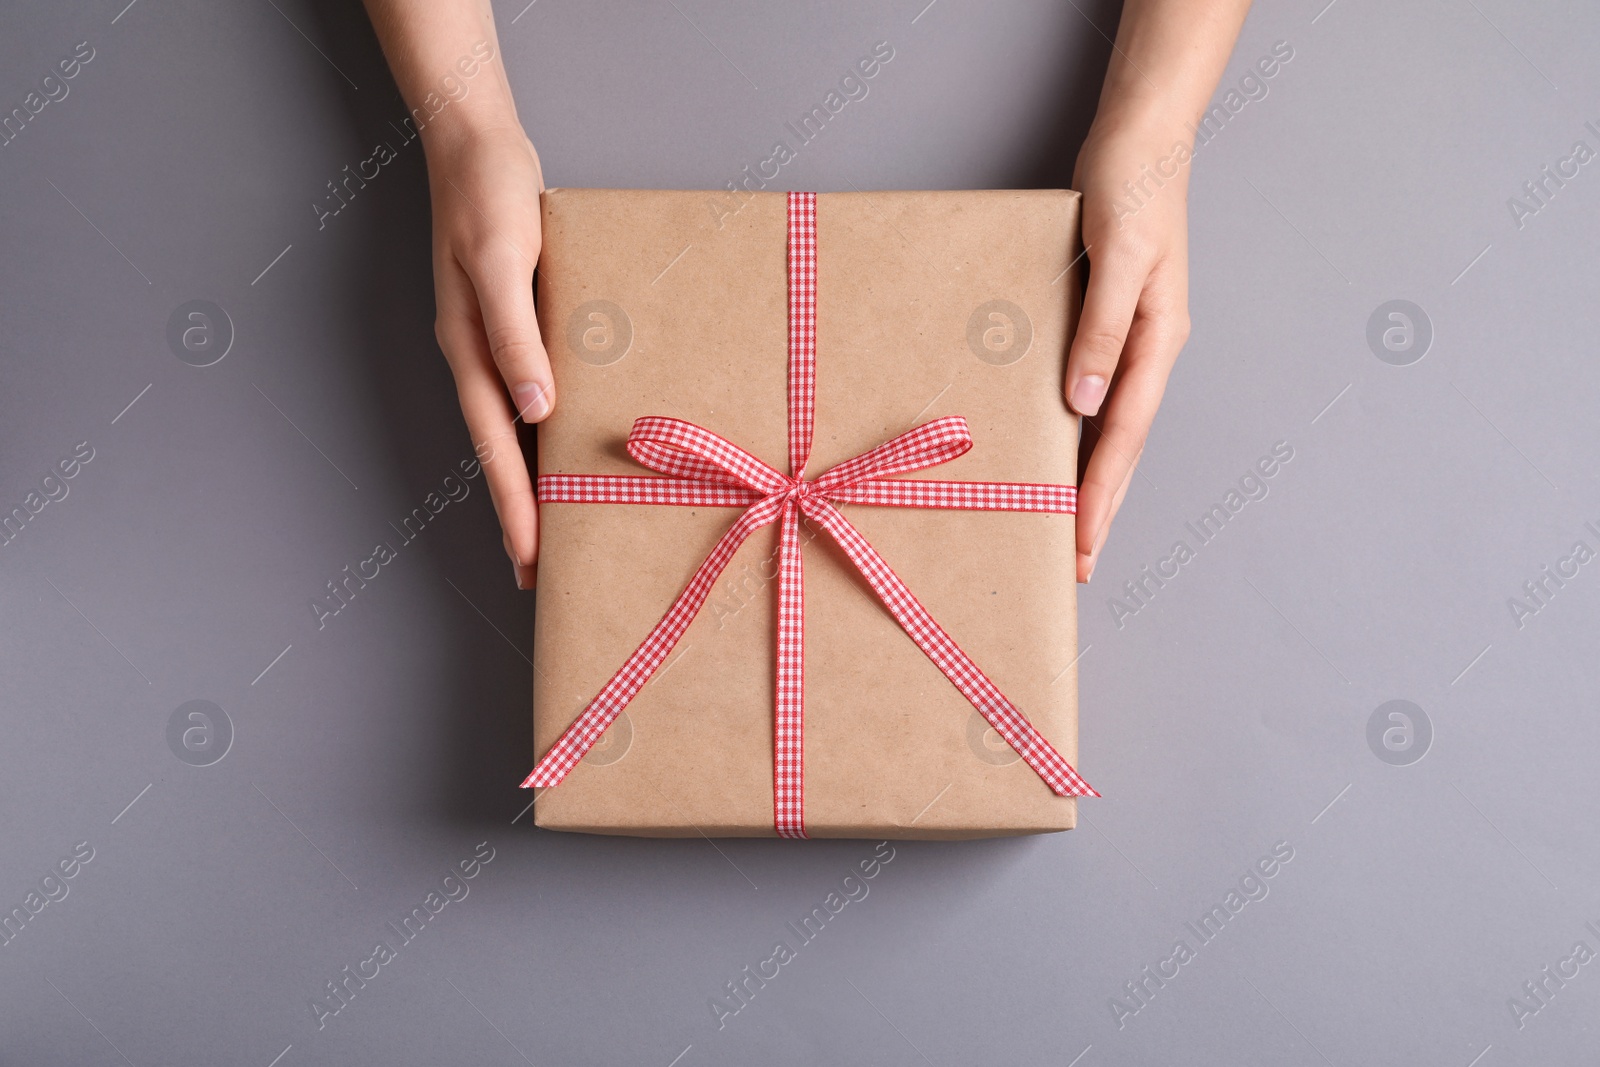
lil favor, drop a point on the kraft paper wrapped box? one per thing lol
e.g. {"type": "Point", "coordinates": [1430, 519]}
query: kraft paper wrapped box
{"type": "Point", "coordinates": [928, 304]}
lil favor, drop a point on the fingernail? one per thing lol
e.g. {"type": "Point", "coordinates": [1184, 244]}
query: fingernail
{"type": "Point", "coordinates": [1088, 393]}
{"type": "Point", "coordinates": [516, 575]}
{"type": "Point", "coordinates": [532, 400]}
{"type": "Point", "coordinates": [1087, 578]}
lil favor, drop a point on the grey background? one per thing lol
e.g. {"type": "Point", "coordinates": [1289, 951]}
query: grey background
{"type": "Point", "coordinates": [1228, 715]}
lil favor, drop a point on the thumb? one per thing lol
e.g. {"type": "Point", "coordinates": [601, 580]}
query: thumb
{"type": "Point", "coordinates": [505, 297]}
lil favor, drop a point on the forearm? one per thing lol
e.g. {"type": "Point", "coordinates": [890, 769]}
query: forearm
{"type": "Point", "coordinates": [1168, 58]}
{"type": "Point", "coordinates": [445, 57]}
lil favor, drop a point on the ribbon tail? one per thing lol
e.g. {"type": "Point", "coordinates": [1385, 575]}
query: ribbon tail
{"type": "Point", "coordinates": [788, 724]}
{"type": "Point", "coordinates": [648, 657]}
{"type": "Point", "coordinates": [1006, 718]}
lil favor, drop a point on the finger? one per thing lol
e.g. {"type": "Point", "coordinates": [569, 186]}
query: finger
{"type": "Point", "coordinates": [538, 167]}
{"type": "Point", "coordinates": [1152, 347]}
{"type": "Point", "coordinates": [1089, 557]}
{"type": "Point", "coordinates": [503, 280]}
{"type": "Point", "coordinates": [495, 443]}
{"type": "Point", "coordinates": [489, 417]}
{"type": "Point", "coordinates": [1115, 282]}
{"type": "Point", "coordinates": [504, 288]}
{"type": "Point", "coordinates": [523, 576]}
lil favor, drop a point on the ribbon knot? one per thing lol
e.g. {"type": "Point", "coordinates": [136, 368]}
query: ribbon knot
{"type": "Point", "coordinates": [703, 469]}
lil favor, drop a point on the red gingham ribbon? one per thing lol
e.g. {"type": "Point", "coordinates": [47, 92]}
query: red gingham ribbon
{"type": "Point", "coordinates": [705, 470]}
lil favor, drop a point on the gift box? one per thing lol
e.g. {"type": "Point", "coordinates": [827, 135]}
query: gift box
{"type": "Point", "coordinates": [807, 559]}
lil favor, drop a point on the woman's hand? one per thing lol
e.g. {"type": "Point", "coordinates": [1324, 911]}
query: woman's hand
{"type": "Point", "coordinates": [485, 189]}
{"type": "Point", "coordinates": [1136, 309]}
{"type": "Point", "coordinates": [1133, 172]}
{"type": "Point", "coordinates": [484, 180]}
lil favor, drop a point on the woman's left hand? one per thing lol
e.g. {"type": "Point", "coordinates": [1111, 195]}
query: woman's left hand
{"type": "Point", "coordinates": [1134, 180]}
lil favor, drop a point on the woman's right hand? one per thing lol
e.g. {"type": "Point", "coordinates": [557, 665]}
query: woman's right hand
{"type": "Point", "coordinates": [485, 188]}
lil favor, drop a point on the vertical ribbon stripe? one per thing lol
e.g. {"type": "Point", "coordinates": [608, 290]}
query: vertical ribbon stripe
{"type": "Point", "coordinates": [788, 721]}
{"type": "Point", "coordinates": [789, 697]}
{"type": "Point", "coordinates": [802, 328]}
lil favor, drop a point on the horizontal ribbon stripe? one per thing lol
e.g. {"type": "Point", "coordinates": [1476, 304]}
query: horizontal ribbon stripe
{"type": "Point", "coordinates": [640, 489]}
{"type": "Point", "coordinates": [968, 496]}
{"type": "Point", "coordinates": [703, 469]}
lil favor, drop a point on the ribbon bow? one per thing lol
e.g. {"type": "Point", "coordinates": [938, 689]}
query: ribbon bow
{"type": "Point", "coordinates": [703, 469]}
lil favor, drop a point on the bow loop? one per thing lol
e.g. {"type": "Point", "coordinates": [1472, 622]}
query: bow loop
{"type": "Point", "coordinates": [928, 445]}
{"type": "Point", "coordinates": [684, 450]}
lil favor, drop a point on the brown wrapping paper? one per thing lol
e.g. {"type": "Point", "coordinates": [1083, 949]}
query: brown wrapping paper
{"type": "Point", "coordinates": [928, 304]}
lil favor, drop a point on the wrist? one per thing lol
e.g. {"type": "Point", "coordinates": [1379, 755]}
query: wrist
{"type": "Point", "coordinates": [457, 126]}
{"type": "Point", "coordinates": [1141, 121]}
{"type": "Point", "coordinates": [1128, 137]}
{"type": "Point", "coordinates": [471, 100]}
